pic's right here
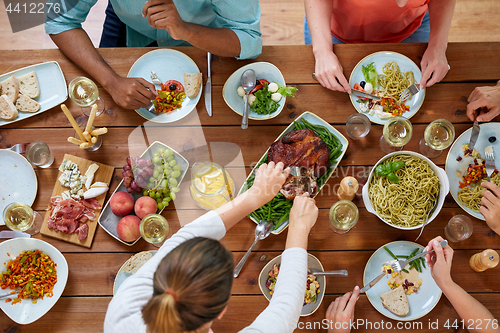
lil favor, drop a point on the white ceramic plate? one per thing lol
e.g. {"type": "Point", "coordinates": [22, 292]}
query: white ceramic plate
{"type": "Point", "coordinates": [452, 165]}
{"type": "Point", "coordinates": [52, 85]}
{"type": "Point", "coordinates": [263, 70]}
{"type": "Point", "coordinates": [168, 65]}
{"type": "Point", "coordinates": [18, 181]}
{"type": "Point", "coordinates": [25, 312]}
{"type": "Point", "coordinates": [421, 303]}
{"type": "Point", "coordinates": [122, 276]}
{"type": "Point", "coordinates": [312, 263]}
{"type": "Point", "coordinates": [380, 59]}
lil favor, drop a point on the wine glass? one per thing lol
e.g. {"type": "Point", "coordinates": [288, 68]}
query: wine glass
{"type": "Point", "coordinates": [154, 229]}
{"type": "Point", "coordinates": [438, 136]}
{"type": "Point", "coordinates": [396, 133]}
{"type": "Point", "coordinates": [21, 217]}
{"type": "Point", "coordinates": [343, 216]}
{"type": "Point", "coordinates": [83, 91]}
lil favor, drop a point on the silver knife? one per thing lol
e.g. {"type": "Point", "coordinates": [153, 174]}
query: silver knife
{"type": "Point", "coordinates": [364, 94]}
{"type": "Point", "coordinates": [208, 87]}
{"type": "Point", "coordinates": [474, 134]}
{"type": "Point", "coordinates": [13, 234]}
{"type": "Point", "coordinates": [371, 284]}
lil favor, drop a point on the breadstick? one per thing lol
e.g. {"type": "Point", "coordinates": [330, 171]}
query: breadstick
{"type": "Point", "coordinates": [74, 140]}
{"type": "Point", "coordinates": [91, 119]}
{"type": "Point", "coordinates": [94, 139]}
{"type": "Point", "coordinates": [99, 131]}
{"type": "Point", "coordinates": [73, 122]}
{"type": "Point", "coordinates": [85, 145]}
{"type": "Point", "coordinates": [87, 136]}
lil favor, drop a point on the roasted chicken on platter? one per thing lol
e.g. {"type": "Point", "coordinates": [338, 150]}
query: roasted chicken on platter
{"type": "Point", "coordinates": [304, 149]}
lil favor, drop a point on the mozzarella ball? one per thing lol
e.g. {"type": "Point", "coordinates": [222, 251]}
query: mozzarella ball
{"type": "Point", "coordinates": [368, 87]}
{"type": "Point", "coordinates": [273, 87]}
{"type": "Point", "coordinates": [276, 97]}
{"type": "Point", "coordinates": [251, 99]}
{"type": "Point", "coordinates": [240, 91]}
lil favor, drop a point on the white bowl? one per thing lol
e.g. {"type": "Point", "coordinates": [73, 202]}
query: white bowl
{"type": "Point", "coordinates": [444, 188]}
{"type": "Point", "coordinates": [263, 70]}
{"type": "Point", "coordinates": [312, 263]}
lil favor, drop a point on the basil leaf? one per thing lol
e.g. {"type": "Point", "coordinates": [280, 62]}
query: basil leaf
{"type": "Point", "coordinates": [393, 178]}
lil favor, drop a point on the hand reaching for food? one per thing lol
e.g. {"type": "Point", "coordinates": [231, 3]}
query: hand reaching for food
{"type": "Point", "coordinates": [490, 205]}
{"type": "Point", "coordinates": [131, 93]}
{"type": "Point", "coordinates": [487, 99]}
{"type": "Point", "coordinates": [440, 262]}
{"type": "Point", "coordinates": [434, 67]}
{"type": "Point", "coordinates": [268, 181]}
{"type": "Point", "coordinates": [340, 313]}
{"type": "Point", "coordinates": [162, 14]}
{"type": "Point", "coordinates": [303, 216]}
{"type": "Point", "coordinates": [330, 74]}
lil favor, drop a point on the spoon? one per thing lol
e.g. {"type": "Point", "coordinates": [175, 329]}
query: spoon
{"type": "Point", "coordinates": [248, 81]}
{"type": "Point", "coordinates": [262, 230]}
{"type": "Point", "coordinates": [342, 273]}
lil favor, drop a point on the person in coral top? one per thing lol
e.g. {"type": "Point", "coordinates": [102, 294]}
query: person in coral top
{"type": "Point", "coordinates": [377, 21]}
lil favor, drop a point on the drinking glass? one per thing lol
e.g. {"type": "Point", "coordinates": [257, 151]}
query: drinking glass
{"type": "Point", "coordinates": [358, 126]}
{"type": "Point", "coordinates": [396, 133]}
{"type": "Point", "coordinates": [21, 217]}
{"type": "Point", "coordinates": [154, 229]}
{"type": "Point", "coordinates": [211, 185]}
{"type": "Point", "coordinates": [438, 136]}
{"type": "Point", "coordinates": [84, 92]}
{"type": "Point", "coordinates": [343, 216]}
{"type": "Point", "coordinates": [96, 144]}
{"type": "Point", "coordinates": [38, 153]}
{"type": "Point", "coordinates": [458, 228]}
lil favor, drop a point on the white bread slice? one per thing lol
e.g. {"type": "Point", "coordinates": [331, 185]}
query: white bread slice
{"type": "Point", "coordinates": [396, 301]}
{"type": "Point", "coordinates": [7, 109]}
{"type": "Point", "coordinates": [28, 85]}
{"type": "Point", "coordinates": [10, 87]}
{"type": "Point", "coordinates": [192, 84]}
{"type": "Point", "coordinates": [27, 104]}
{"type": "Point", "coordinates": [136, 261]}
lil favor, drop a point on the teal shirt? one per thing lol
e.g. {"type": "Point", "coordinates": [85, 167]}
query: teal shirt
{"type": "Point", "coordinates": [241, 16]}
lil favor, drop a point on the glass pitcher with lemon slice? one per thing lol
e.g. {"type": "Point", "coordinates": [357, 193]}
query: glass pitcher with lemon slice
{"type": "Point", "coordinates": [211, 185]}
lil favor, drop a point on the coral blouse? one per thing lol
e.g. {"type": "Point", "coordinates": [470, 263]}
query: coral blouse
{"type": "Point", "coordinates": [376, 21]}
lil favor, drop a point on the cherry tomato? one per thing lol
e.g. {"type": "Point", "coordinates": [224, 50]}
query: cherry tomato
{"type": "Point", "coordinates": [259, 85]}
{"type": "Point", "coordinates": [179, 86]}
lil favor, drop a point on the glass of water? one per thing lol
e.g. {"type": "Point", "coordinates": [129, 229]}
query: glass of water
{"type": "Point", "coordinates": [458, 228]}
{"type": "Point", "coordinates": [39, 154]}
{"type": "Point", "coordinates": [343, 216]}
{"type": "Point", "coordinates": [358, 126]}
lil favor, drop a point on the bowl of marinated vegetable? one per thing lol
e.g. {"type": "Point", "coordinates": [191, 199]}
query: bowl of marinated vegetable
{"type": "Point", "coordinates": [268, 97]}
{"type": "Point", "coordinates": [315, 285]}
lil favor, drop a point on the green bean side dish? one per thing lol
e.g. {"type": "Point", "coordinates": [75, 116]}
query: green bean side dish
{"type": "Point", "coordinates": [278, 209]}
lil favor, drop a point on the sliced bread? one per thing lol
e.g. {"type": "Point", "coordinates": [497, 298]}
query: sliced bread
{"type": "Point", "coordinates": [28, 85]}
{"type": "Point", "coordinates": [136, 261]}
{"type": "Point", "coordinates": [396, 301]}
{"type": "Point", "coordinates": [192, 84]}
{"type": "Point", "coordinates": [7, 109]}
{"type": "Point", "coordinates": [27, 104]}
{"type": "Point", "coordinates": [10, 87]}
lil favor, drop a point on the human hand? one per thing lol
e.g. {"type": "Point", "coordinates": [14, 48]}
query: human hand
{"type": "Point", "coordinates": [131, 93]}
{"type": "Point", "coordinates": [435, 64]}
{"type": "Point", "coordinates": [487, 99]}
{"type": "Point", "coordinates": [330, 74]}
{"type": "Point", "coordinates": [340, 313]}
{"type": "Point", "coordinates": [268, 181]}
{"type": "Point", "coordinates": [490, 206]}
{"type": "Point", "coordinates": [162, 14]}
{"type": "Point", "coordinates": [304, 213]}
{"type": "Point", "coordinates": [440, 262]}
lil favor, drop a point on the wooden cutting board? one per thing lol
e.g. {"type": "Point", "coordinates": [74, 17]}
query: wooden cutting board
{"type": "Point", "coordinates": [103, 174]}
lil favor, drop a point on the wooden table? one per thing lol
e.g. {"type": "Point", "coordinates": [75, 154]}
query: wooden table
{"type": "Point", "coordinates": [92, 271]}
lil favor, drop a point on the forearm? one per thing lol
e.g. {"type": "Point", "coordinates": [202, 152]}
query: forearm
{"type": "Point", "coordinates": [440, 15]}
{"type": "Point", "coordinates": [235, 210]}
{"type": "Point", "coordinates": [220, 41]}
{"type": "Point", "coordinates": [469, 309]}
{"type": "Point", "coordinates": [319, 14]}
{"type": "Point", "coordinates": [77, 46]}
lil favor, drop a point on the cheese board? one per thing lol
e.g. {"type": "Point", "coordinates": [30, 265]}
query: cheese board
{"type": "Point", "coordinates": [103, 174]}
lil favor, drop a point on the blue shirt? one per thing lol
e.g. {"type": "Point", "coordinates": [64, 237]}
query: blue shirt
{"type": "Point", "coordinates": [241, 16]}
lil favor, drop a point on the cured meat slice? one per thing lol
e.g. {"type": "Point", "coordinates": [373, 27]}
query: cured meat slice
{"type": "Point", "coordinates": [83, 232]}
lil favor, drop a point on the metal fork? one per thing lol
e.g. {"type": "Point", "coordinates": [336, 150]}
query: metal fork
{"type": "Point", "coordinates": [427, 218]}
{"type": "Point", "coordinates": [490, 161]}
{"type": "Point", "coordinates": [409, 92]}
{"type": "Point", "coordinates": [397, 265]}
{"type": "Point", "coordinates": [19, 148]}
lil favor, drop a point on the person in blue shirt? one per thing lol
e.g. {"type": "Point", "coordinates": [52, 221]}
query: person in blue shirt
{"type": "Point", "coordinates": [225, 28]}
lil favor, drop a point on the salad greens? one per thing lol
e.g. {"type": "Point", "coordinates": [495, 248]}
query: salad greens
{"type": "Point", "coordinates": [388, 169]}
{"type": "Point", "coordinates": [263, 103]}
{"type": "Point", "coordinates": [286, 91]}
{"type": "Point", "coordinates": [370, 74]}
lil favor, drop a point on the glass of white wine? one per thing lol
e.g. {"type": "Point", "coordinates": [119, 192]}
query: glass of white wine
{"type": "Point", "coordinates": [21, 217]}
{"type": "Point", "coordinates": [155, 229]}
{"type": "Point", "coordinates": [84, 92]}
{"type": "Point", "coordinates": [343, 216]}
{"type": "Point", "coordinates": [396, 133]}
{"type": "Point", "coordinates": [438, 136]}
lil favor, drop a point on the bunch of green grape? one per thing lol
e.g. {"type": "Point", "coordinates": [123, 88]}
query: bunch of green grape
{"type": "Point", "coordinates": [163, 184]}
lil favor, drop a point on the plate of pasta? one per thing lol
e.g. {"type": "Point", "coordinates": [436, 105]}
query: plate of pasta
{"type": "Point", "coordinates": [467, 194]}
{"type": "Point", "coordinates": [386, 74]}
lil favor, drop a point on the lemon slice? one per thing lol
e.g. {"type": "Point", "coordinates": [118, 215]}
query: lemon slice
{"type": "Point", "coordinates": [200, 185]}
{"type": "Point", "coordinates": [213, 174]}
{"type": "Point", "coordinates": [203, 170]}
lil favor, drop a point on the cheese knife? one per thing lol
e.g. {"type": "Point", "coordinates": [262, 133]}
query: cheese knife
{"type": "Point", "coordinates": [372, 283]}
{"type": "Point", "coordinates": [208, 87]}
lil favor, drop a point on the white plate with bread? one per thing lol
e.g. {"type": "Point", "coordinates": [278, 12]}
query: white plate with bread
{"type": "Point", "coordinates": [169, 65]}
{"type": "Point", "coordinates": [131, 266]}
{"type": "Point", "coordinates": [404, 307]}
{"type": "Point", "coordinates": [31, 90]}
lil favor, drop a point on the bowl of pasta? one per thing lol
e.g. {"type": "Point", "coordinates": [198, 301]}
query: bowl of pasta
{"type": "Point", "coordinates": [402, 188]}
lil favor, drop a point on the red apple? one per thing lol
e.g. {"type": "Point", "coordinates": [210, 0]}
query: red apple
{"type": "Point", "coordinates": [122, 203]}
{"type": "Point", "coordinates": [145, 206]}
{"type": "Point", "coordinates": [128, 228]}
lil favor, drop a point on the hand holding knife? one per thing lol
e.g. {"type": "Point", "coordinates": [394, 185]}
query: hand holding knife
{"type": "Point", "coordinates": [208, 87]}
